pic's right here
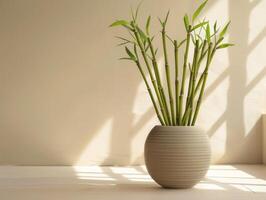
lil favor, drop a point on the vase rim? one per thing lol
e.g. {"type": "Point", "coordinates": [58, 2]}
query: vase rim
{"type": "Point", "coordinates": [178, 128]}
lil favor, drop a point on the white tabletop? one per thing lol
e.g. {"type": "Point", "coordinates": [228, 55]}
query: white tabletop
{"type": "Point", "coordinates": [223, 182]}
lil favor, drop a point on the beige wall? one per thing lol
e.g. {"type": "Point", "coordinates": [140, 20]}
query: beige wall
{"type": "Point", "coordinates": [264, 139]}
{"type": "Point", "coordinates": [66, 99]}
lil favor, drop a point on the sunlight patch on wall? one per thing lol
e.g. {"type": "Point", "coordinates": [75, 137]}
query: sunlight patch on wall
{"type": "Point", "coordinates": [256, 26]}
{"type": "Point", "coordinates": [218, 143]}
{"type": "Point", "coordinates": [92, 153]}
{"type": "Point", "coordinates": [218, 11]}
{"type": "Point", "coordinates": [137, 142]}
{"type": "Point", "coordinates": [252, 113]}
{"type": "Point", "coordinates": [142, 102]}
{"type": "Point", "coordinates": [144, 119]}
{"type": "Point", "coordinates": [256, 72]}
{"type": "Point", "coordinates": [214, 107]}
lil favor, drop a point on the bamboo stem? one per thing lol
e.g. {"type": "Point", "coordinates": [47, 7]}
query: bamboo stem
{"type": "Point", "coordinates": [184, 76]}
{"type": "Point", "coordinates": [168, 78]}
{"type": "Point", "coordinates": [202, 55]}
{"type": "Point", "coordinates": [176, 83]}
{"type": "Point", "coordinates": [150, 93]}
{"type": "Point", "coordinates": [183, 110]}
{"type": "Point", "coordinates": [151, 74]}
{"type": "Point", "coordinates": [194, 70]}
{"type": "Point", "coordinates": [185, 118]}
{"type": "Point", "coordinates": [158, 78]}
{"type": "Point", "coordinates": [209, 58]}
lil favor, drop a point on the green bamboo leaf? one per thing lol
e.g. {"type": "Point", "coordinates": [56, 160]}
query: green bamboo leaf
{"type": "Point", "coordinates": [119, 23]}
{"type": "Point", "coordinates": [149, 57]}
{"type": "Point", "coordinates": [130, 54]}
{"type": "Point", "coordinates": [220, 40]}
{"type": "Point", "coordinates": [132, 14]}
{"type": "Point", "coordinates": [224, 45]}
{"type": "Point", "coordinates": [161, 22]}
{"type": "Point", "coordinates": [208, 33]}
{"type": "Point", "coordinates": [123, 43]}
{"type": "Point", "coordinates": [124, 39]}
{"type": "Point", "coordinates": [202, 27]}
{"type": "Point", "coordinates": [182, 42]}
{"type": "Point", "coordinates": [132, 36]}
{"type": "Point", "coordinates": [169, 38]}
{"type": "Point", "coordinates": [199, 9]}
{"type": "Point", "coordinates": [136, 52]}
{"type": "Point", "coordinates": [199, 37]}
{"type": "Point", "coordinates": [125, 58]}
{"type": "Point", "coordinates": [186, 22]}
{"type": "Point", "coordinates": [166, 18]}
{"type": "Point", "coordinates": [148, 25]}
{"type": "Point", "coordinates": [142, 34]}
{"type": "Point", "coordinates": [137, 11]}
{"type": "Point", "coordinates": [144, 44]}
{"type": "Point", "coordinates": [199, 25]}
{"type": "Point", "coordinates": [148, 46]}
{"type": "Point", "coordinates": [223, 32]}
{"type": "Point", "coordinates": [215, 26]}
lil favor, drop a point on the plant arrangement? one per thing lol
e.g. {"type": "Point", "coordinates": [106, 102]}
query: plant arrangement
{"type": "Point", "coordinates": [177, 103]}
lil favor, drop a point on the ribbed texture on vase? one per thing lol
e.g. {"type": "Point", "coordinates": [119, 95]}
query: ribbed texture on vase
{"type": "Point", "coordinates": [177, 157]}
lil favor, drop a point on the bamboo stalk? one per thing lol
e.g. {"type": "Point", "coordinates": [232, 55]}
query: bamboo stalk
{"type": "Point", "coordinates": [191, 88]}
{"type": "Point", "coordinates": [185, 118]}
{"type": "Point", "coordinates": [158, 78]}
{"type": "Point", "coordinates": [176, 113]}
{"type": "Point", "coordinates": [209, 57]}
{"type": "Point", "coordinates": [176, 83]}
{"type": "Point", "coordinates": [202, 55]}
{"type": "Point", "coordinates": [184, 76]}
{"type": "Point", "coordinates": [150, 93]}
{"type": "Point", "coordinates": [151, 75]}
{"type": "Point", "coordinates": [194, 70]}
{"type": "Point", "coordinates": [168, 78]}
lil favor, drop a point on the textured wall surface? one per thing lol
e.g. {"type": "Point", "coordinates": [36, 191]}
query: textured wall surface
{"type": "Point", "coordinates": [264, 139]}
{"type": "Point", "coordinates": [66, 99]}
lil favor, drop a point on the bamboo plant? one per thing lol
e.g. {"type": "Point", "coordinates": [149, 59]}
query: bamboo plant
{"type": "Point", "coordinates": [179, 101]}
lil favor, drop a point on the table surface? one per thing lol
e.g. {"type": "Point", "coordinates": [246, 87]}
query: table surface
{"type": "Point", "coordinates": [223, 182]}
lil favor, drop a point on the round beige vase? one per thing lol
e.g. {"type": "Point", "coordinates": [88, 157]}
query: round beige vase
{"type": "Point", "coordinates": [177, 156]}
